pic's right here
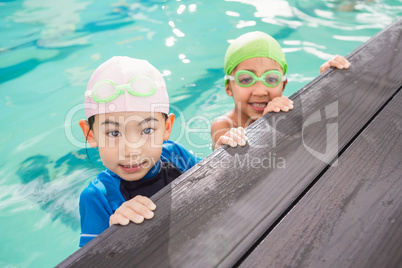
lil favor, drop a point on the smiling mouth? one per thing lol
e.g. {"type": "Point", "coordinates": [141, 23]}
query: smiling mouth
{"type": "Point", "coordinates": [132, 167]}
{"type": "Point", "coordinates": [259, 106]}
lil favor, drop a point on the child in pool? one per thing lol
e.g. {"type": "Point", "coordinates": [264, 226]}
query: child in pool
{"type": "Point", "coordinates": [255, 68]}
{"type": "Point", "coordinates": [127, 107]}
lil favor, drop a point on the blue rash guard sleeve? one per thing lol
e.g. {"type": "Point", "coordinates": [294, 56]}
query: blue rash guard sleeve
{"type": "Point", "coordinates": [95, 212]}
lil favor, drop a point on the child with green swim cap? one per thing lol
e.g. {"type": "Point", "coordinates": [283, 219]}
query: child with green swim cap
{"type": "Point", "coordinates": [255, 68]}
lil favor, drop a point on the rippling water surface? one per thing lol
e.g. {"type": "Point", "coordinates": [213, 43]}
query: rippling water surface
{"type": "Point", "coordinates": [49, 49]}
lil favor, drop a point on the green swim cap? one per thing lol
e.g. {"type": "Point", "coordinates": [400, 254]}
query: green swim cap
{"type": "Point", "coordinates": [252, 45]}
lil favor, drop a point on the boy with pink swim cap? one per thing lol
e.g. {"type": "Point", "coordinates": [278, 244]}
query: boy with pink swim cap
{"type": "Point", "coordinates": [127, 110]}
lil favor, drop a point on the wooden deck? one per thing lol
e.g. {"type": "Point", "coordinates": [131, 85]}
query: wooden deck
{"type": "Point", "coordinates": [319, 186]}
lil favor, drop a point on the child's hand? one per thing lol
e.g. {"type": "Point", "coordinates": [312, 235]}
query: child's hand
{"type": "Point", "coordinates": [337, 62]}
{"type": "Point", "coordinates": [233, 137]}
{"type": "Point", "coordinates": [279, 104]}
{"type": "Point", "coordinates": [135, 210]}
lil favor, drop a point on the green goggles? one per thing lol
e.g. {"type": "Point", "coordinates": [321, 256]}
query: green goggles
{"type": "Point", "coordinates": [108, 90]}
{"type": "Point", "coordinates": [246, 78]}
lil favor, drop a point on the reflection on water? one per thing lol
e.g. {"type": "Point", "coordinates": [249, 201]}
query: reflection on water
{"type": "Point", "coordinates": [34, 167]}
{"type": "Point", "coordinates": [60, 34]}
{"type": "Point", "coordinates": [55, 185]}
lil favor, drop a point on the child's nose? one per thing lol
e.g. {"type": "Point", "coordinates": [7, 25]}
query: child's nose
{"type": "Point", "coordinates": [260, 89]}
{"type": "Point", "coordinates": [132, 154]}
{"type": "Point", "coordinates": [130, 148]}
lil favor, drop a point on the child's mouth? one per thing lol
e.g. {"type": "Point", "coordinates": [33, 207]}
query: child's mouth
{"type": "Point", "coordinates": [258, 106]}
{"type": "Point", "coordinates": [132, 167]}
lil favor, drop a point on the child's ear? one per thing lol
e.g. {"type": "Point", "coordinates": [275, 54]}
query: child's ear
{"type": "Point", "coordinates": [284, 84]}
{"type": "Point", "coordinates": [228, 90]}
{"type": "Point", "coordinates": [88, 134]}
{"type": "Point", "coordinates": [168, 126]}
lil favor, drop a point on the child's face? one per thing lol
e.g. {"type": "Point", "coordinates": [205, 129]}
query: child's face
{"type": "Point", "coordinates": [130, 143]}
{"type": "Point", "coordinates": [251, 101]}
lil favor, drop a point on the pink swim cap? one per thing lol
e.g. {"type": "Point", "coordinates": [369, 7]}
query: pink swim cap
{"type": "Point", "coordinates": [120, 71]}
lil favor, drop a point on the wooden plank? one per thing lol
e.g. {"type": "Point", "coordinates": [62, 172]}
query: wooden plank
{"type": "Point", "coordinates": [214, 213]}
{"type": "Point", "coordinates": [352, 216]}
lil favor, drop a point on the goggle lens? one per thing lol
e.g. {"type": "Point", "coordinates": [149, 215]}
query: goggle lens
{"type": "Point", "coordinates": [104, 91]}
{"type": "Point", "coordinates": [245, 80]}
{"type": "Point", "coordinates": [272, 79]}
{"type": "Point", "coordinates": [142, 86]}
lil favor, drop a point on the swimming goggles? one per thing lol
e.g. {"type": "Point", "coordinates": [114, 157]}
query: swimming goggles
{"type": "Point", "coordinates": [108, 90]}
{"type": "Point", "coordinates": [246, 78]}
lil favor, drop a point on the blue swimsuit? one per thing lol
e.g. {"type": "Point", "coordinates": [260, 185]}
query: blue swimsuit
{"type": "Point", "coordinates": [108, 191]}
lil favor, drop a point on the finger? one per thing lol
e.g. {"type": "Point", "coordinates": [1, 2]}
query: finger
{"type": "Point", "coordinates": [342, 60]}
{"type": "Point", "coordinates": [118, 219]}
{"type": "Point", "coordinates": [345, 62]}
{"type": "Point", "coordinates": [141, 210]}
{"type": "Point", "coordinates": [271, 107]}
{"type": "Point", "coordinates": [134, 211]}
{"type": "Point", "coordinates": [145, 201]}
{"type": "Point", "coordinates": [281, 106]}
{"type": "Point", "coordinates": [129, 213]}
{"type": "Point", "coordinates": [335, 63]}
{"type": "Point", "coordinates": [238, 139]}
{"type": "Point", "coordinates": [283, 103]}
{"type": "Point", "coordinates": [242, 132]}
{"type": "Point", "coordinates": [287, 102]}
{"type": "Point", "coordinates": [237, 136]}
{"type": "Point", "coordinates": [224, 139]}
{"type": "Point", "coordinates": [291, 106]}
{"type": "Point", "coordinates": [324, 67]}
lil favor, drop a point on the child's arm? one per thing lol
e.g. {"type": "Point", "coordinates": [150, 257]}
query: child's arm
{"type": "Point", "coordinates": [337, 62]}
{"type": "Point", "coordinates": [136, 210]}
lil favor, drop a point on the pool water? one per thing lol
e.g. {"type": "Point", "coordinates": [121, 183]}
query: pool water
{"type": "Point", "coordinates": [49, 49]}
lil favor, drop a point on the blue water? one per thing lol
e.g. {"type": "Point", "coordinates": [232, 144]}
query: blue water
{"type": "Point", "coordinates": [48, 50]}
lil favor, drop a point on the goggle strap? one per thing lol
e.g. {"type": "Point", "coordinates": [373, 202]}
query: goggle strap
{"type": "Point", "coordinates": [229, 77]}
{"type": "Point", "coordinates": [157, 84]}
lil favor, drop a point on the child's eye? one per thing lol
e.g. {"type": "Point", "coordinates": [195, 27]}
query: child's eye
{"type": "Point", "coordinates": [148, 131]}
{"type": "Point", "coordinates": [114, 134]}
{"type": "Point", "coordinates": [271, 80]}
{"type": "Point", "coordinates": [246, 81]}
